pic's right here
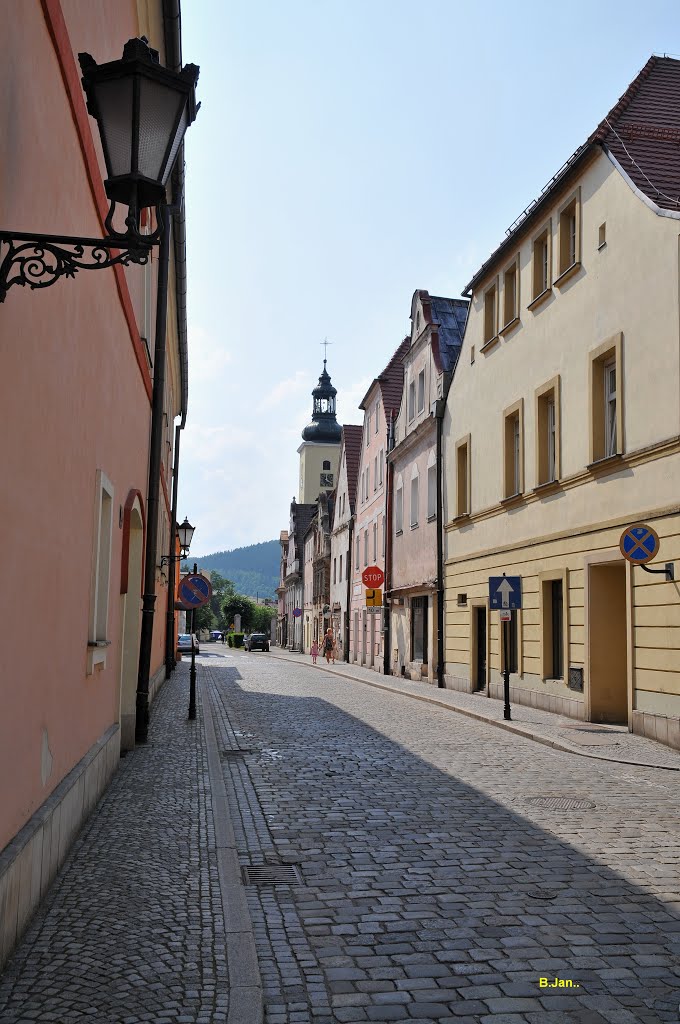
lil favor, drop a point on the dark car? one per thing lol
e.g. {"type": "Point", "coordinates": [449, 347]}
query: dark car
{"type": "Point", "coordinates": [257, 642]}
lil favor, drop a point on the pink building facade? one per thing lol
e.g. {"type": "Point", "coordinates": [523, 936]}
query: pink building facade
{"type": "Point", "coordinates": [380, 406]}
{"type": "Point", "coordinates": [76, 397]}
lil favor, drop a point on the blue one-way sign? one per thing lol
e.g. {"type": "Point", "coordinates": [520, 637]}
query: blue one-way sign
{"type": "Point", "coordinates": [505, 591]}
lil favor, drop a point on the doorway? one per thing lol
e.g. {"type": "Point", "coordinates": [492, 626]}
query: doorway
{"type": "Point", "coordinates": [479, 647]}
{"type": "Point", "coordinates": [607, 642]}
{"type": "Point", "coordinates": [355, 638]}
{"type": "Point", "coordinates": [131, 619]}
{"type": "Point", "coordinates": [364, 638]}
{"type": "Point", "coordinates": [371, 655]}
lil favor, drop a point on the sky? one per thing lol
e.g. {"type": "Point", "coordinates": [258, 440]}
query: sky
{"type": "Point", "coordinates": [347, 153]}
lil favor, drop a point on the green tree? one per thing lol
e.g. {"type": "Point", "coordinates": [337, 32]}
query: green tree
{"type": "Point", "coordinates": [238, 605]}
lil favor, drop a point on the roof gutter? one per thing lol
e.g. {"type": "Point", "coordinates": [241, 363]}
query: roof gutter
{"type": "Point", "coordinates": [172, 38]}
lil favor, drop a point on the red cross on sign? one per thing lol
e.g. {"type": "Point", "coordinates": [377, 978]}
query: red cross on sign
{"type": "Point", "coordinates": [639, 543]}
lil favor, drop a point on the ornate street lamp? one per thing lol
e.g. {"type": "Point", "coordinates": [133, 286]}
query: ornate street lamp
{"type": "Point", "coordinates": [142, 110]}
{"type": "Point", "coordinates": [185, 532]}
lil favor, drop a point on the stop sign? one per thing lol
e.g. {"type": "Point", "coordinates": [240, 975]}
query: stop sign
{"type": "Point", "coordinates": [373, 576]}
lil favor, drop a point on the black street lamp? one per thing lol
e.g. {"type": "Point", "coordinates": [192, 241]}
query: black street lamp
{"type": "Point", "coordinates": [142, 111]}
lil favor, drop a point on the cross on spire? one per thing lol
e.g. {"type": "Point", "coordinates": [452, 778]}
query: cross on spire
{"type": "Point", "coordinates": [325, 344]}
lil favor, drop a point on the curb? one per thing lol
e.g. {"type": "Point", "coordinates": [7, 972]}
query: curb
{"type": "Point", "coordinates": [508, 726]}
{"type": "Point", "coordinates": [245, 982]}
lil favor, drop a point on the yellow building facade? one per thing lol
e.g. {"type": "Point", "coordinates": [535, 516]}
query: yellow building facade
{"type": "Point", "coordinates": [562, 428]}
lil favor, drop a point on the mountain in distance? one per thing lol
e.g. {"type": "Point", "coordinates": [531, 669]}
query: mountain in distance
{"type": "Point", "coordinates": [254, 570]}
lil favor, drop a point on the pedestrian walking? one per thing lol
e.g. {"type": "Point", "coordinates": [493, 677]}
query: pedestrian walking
{"type": "Point", "coordinates": [315, 651]}
{"type": "Point", "coordinates": [328, 642]}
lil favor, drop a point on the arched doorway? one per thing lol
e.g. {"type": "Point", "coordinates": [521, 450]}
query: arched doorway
{"type": "Point", "coordinates": [131, 597]}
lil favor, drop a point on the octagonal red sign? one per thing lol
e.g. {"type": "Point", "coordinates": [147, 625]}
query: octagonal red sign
{"type": "Point", "coordinates": [373, 576]}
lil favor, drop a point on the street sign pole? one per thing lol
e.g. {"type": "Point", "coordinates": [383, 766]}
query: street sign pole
{"type": "Point", "coordinates": [506, 672]}
{"type": "Point", "coordinates": [192, 672]}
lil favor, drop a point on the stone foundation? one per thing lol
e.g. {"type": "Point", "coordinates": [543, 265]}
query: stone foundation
{"type": "Point", "coordinates": [657, 727]}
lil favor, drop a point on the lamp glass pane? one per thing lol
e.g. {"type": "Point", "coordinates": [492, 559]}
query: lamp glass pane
{"type": "Point", "coordinates": [179, 135]}
{"type": "Point", "coordinates": [114, 102]}
{"type": "Point", "coordinates": [158, 109]}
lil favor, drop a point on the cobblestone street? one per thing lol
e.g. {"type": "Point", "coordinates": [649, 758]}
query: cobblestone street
{"type": "Point", "coordinates": [441, 869]}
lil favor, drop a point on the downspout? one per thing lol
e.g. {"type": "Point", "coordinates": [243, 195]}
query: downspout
{"type": "Point", "coordinates": [388, 548]}
{"type": "Point", "coordinates": [440, 408]}
{"type": "Point", "coordinates": [172, 562]}
{"type": "Point", "coordinates": [350, 570]}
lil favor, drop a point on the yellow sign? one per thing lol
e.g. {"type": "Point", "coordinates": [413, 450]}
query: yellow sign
{"type": "Point", "coordinates": [373, 598]}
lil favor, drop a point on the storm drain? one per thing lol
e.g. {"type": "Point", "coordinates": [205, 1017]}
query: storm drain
{"type": "Point", "coordinates": [561, 803]}
{"type": "Point", "coordinates": [543, 894]}
{"type": "Point", "coordinates": [227, 755]}
{"type": "Point", "coordinates": [271, 874]}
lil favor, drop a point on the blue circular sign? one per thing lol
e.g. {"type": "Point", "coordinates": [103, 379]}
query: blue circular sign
{"type": "Point", "coordinates": [639, 543]}
{"type": "Point", "coordinates": [194, 590]}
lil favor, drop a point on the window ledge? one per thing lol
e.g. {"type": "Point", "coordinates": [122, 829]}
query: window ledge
{"type": "Point", "coordinates": [414, 526]}
{"type": "Point", "coordinates": [399, 533]}
{"type": "Point", "coordinates": [513, 499]}
{"type": "Point", "coordinates": [510, 326]}
{"type": "Point", "coordinates": [432, 518]}
{"type": "Point", "coordinates": [491, 343]}
{"type": "Point", "coordinates": [461, 519]}
{"type": "Point", "coordinates": [540, 299]}
{"type": "Point", "coordinates": [601, 247]}
{"type": "Point", "coordinates": [610, 462]}
{"type": "Point", "coordinates": [567, 274]}
{"type": "Point", "coordinates": [547, 488]}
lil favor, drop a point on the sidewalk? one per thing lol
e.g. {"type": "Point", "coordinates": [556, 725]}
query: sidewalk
{"type": "Point", "coordinates": [148, 919]}
{"type": "Point", "coordinates": [603, 742]}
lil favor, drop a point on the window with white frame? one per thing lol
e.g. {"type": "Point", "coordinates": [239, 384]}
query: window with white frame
{"type": "Point", "coordinates": [411, 400]}
{"type": "Point", "coordinates": [356, 554]}
{"type": "Point", "coordinates": [375, 540]}
{"type": "Point", "coordinates": [384, 537]}
{"type": "Point", "coordinates": [421, 390]}
{"type": "Point", "coordinates": [375, 473]}
{"type": "Point", "coordinates": [365, 547]}
{"type": "Point", "coordinates": [380, 464]}
{"type": "Point", "coordinates": [377, 417]}
{"type": "Point", "coordinates": [335, 566]}
{"type": "Point", "coordinates": [101, 570]}
{"type": "Point", "coordinates": [415, 498]}
{"type": "Point", "coordinates": [552, 437]}
{"type": "Point", "coordinates": [340, 570]}
{"type": "Point", "coordinates": [399, 507]}
{"type": "Point", "coordinates": [368, 428]}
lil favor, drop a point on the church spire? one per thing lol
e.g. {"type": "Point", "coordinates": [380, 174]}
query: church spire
{"type": "Point", "coordinates": [324, 428]}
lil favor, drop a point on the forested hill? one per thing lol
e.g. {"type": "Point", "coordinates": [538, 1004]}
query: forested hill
{"type": "Point", "coordinates": [254, 570]}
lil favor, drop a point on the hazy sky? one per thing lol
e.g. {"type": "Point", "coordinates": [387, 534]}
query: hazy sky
{"type": "Point", "coordinates": [346, 153]}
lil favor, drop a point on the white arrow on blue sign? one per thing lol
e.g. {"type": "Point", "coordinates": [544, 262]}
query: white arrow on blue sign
{"type": "Point", "coordinates": [505, 591]}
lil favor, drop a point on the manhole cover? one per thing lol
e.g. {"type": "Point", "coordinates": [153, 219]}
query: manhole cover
{"type": "Point", "coordinates": [561, 803]}
{"type": "Point", "coordinates": [238, 752]}
{"type": "Point", "coordinates": [543, 894]}
{"type": "Point", "coordinates": [271, 874]}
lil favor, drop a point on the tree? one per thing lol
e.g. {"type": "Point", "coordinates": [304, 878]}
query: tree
{"type": "Point", "coordinates": [238, 605]}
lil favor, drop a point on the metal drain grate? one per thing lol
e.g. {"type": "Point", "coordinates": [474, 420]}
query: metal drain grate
{"type": "Point", "coordinates": [561, 803]}
{"type": "Point", "coordinates": [271, 874]}
{"type": "Point", "coordinates": [238, 752]}
{"type": "Point", "coordinates": [543, 894]}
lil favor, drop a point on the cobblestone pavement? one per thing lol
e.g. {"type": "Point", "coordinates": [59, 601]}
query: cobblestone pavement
{"type": "Point", "coordinates": [606, 742]}
{"type": "Point", "coordinates": [133, 928]}
{"type": "Point", "coordinates": [433, 889]}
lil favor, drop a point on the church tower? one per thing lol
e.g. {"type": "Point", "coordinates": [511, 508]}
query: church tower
{"type": "Point", "coordinates": [320, 448]}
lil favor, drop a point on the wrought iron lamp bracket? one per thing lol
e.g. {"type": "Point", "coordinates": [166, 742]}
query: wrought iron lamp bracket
{"type": "Point", "coordinates": [40, 260]}
{"type": "Point", "coordinates": [166, 559]}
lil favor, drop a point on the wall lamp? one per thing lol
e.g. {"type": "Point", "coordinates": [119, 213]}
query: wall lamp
{"type": "Point", "coordinates": [142, 110]}
{"type": "Point", "coordinates": [185, 533]}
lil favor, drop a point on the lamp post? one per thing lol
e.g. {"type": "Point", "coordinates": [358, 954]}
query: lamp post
{"type": "Point", "coordinates": [184, 533]}
{"type": "Point", "coordinates": [142, 111]}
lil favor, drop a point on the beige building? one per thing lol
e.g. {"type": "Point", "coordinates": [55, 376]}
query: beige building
{"type": "Point", "coordinates": [562, 428]}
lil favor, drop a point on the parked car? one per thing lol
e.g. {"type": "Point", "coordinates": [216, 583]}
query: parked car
{"type": "Point", "coordinates": [184, 643]}
{"type": "Point", "coordinates": [257, 642]}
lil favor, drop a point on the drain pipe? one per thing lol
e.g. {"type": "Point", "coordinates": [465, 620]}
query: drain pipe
{"type": "Point", "coordinates": [388, 546]}
{"type": "Point", "coordinates": [440, 408]}
{"type": "Point", "coordinates": [349, 586]}
{"type": "Point", "coordinates": [172, 562]}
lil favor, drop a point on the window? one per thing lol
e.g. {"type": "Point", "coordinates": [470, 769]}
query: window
{"type": "Point", "coordinates": [399, 507]}
{"type": "Point", "coordinates": [368, 429]}
{"type": "Point", "coordinates": [326, 464]}
{"type": "Point", "coordinates": [431, 491]}
{"type": "Point", "coordinates": [377, 417]}
{"type": "Point", "coordinates": [380, 464]}
{"type": "Point", "coordinates": [602, 236]}
{"type": "Point", "coordinates": [548, 432]}
{"type": "Point", "coordinates": [554, 655]}
{"type": "Point", "coordinates": [384, 538]}
{"type": "Point", "coordinates": [541, 263]}
{"type": "Point", "coordinates": [513, 449]}
{"type": "Point", "coordinates": [101, 573]}
{"type": "Point", "coordinates": [365, 547]}
{"type": "Point", "coordinates": [569, 234]}
{"type": "Point", "coordinates": [414, 501]}
{"type": "Point", "coordinates": [606, 400]}
{"type": "Point", "coordinates": [511, 294]}
{"type": "Point", "coordinates": [375, 541]}
{"type": "Point", "coordinates": [411, 400]}
{"type": "Point", "coordinates": [421, 390]}
{"type": "Point", "coordinates": [419, 629]}
{"type": "Point", "coordinates": [610, 408]}
{"type": "Point", "coordinates": [356, 555]}
{"type": "Point", "coordinates": [340, 571]}
{"type": "Point", "coordinates": [463, 477]}
{"type": "Point", "coordinates": [368, 480]}
{"type": "Point", "coordinates": [375, 473]}
{"type": "Point", "coordinates": [334, 570]}
{"type": "Point", "coordinates": [490, 313]}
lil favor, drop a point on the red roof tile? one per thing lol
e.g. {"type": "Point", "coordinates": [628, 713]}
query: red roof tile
{"type": "Point", "coordinates": [391, 382]}
{"type": "Point", "coordinates": [351, 437]}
